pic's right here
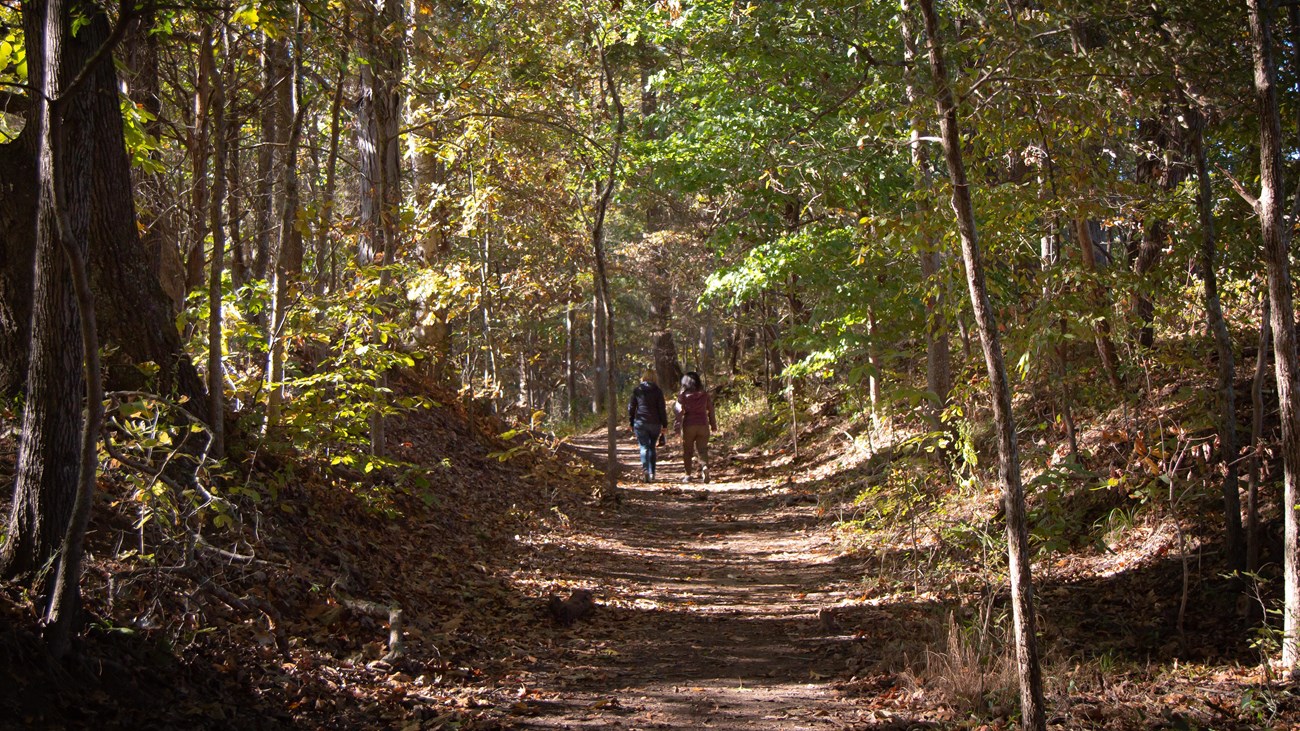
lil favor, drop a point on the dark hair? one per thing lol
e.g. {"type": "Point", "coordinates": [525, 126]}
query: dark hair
{"type": "Point", "coordinates": [692, 382]}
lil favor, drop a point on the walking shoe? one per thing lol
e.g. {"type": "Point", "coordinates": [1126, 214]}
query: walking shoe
{"type": "Point", "coordinates": [704, 474]}
{"type": "Point", "coordinates": [686, 478]}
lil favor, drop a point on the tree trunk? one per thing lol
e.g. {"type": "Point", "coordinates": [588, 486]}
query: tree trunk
{"type": "Point", "coordinates": [326, 267]}
{"type": "Point", "coordinates": [1257, 435]}
{"type": "Point", "coordinates": [239, 271]}
{"type": "Point", "coordinates": [158, 234]}
{"type": "Point", "coordinates": [938, 355]}
{"type": "Point", "coordinates": [598, 351]}
{"type": "Point", "coordinates": [1146, 255]}
{"type": "Point", "coordinates": [197, 144]}
{"type": "Point", "coordinates": [70, 200]}
{"type": "Point", "coordinates": [570, 362]}
{"type": "Point", "coordinates": [610, 85]}
{"type": "Point", "coordinates": [132, 312]}
{"type": "Point", "coordinates": [222, 135]}
{"type": "Point", "coordinates": [273, 74]}
{"type": "Point", "coordinates": [1234, 543]}
{"type": "Point", "coordinates": [17, 253]}
{"type": "Point", "coordinates": [379, 109]}
{"type": "Point", "coordinates": [287, 255]}
{"type": "Point", "coordinates": [1032, 711]}
{"type": "Point", "coordinates": [49, 453]}
{"type": "Point", "coordinates": [1276, 234]}
{"type": "Point", "coordinates": [1105, 345]}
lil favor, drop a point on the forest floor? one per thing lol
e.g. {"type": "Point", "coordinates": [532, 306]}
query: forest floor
{"type": "Point", "coordinates": [850, 588]}
{"type": "Point", "coordinates": [738, 604]}
{"type": "Point", "coordinates": [716, 609]}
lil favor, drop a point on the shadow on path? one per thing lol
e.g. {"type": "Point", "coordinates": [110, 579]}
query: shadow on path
{"type": "Point", "coordinates": [715, 610]}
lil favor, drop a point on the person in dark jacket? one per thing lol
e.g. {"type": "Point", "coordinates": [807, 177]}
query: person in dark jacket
{"type": "Point", "coordinates": [648, 416]}
{"type": "Point", "coordinates": [694, 419]}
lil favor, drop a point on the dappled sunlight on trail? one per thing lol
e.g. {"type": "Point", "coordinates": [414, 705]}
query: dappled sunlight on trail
{"type": "Point", "coordinates": [718, 608]}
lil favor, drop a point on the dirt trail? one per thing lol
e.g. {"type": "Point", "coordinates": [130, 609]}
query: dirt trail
{"type": "Point", "coordinates": [709, 611]}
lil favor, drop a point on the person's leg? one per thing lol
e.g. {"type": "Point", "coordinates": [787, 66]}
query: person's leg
{"type": "Point", "coordinates": [703, 446]}
{"type": "Point", "coordinates": [643, 441]}
{"type": "Point", "coordinates": [686, 450]}
{"type": "Point", "coordinates": [654, 450]}
{"type": "Point", "coordinates": [693, 441]}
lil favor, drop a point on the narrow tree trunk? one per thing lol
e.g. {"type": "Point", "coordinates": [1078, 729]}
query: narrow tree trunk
{"type": "Point", "coordinates": [938, 355]}
{"type": "Point", "coordinates": [598, 352]}
{"type": "Point", "coordinates": [264, 206]}
{"type": "Point", "coordinates": [610, 85]}
{"type": "Point", "coordinates": [235, 202]}
{"type": "Point", "coordinates": [1276, 234]}
{"type": "Point", "coordinates": [570, 362]}
{"type": "Point", "coordinates": [873, 370]}
{"type": "Point", "coordinates": [1233, 539]}
{"type": "Point", "coordinates": [327, 273]}
{"type": "Point", "coordinates": [198, 208]}
{"type": "Point", "coordinates": [1257, 435]}
{"type": "Point", "coordinates": [221, 136]}
{"type": "Point", "coordinates": [1049, 254]}
{"type": "Point", "coordinates": [1032, 711]}
{"type": "Point", "coordinates": [287, 258]}
{"type": "Point", "coordinates": [1105, 345]}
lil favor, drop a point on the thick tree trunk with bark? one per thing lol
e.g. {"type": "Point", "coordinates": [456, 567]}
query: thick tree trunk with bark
{"type": "Point", "coordinates": [1276, 234]}
{"type": "Point", "coordinates": [17, 253]}
{"type": "Point", "coordinates": [1032, 710]}
{"type": "Point", "coordinates": [132, 312]}
{"type": "Point", "coordinates": [379, 109]}
{"type": "Point", "coordinates": [49, 453]}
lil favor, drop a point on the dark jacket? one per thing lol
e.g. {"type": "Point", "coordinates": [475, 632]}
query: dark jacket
{"type": "Point", "coordinates": [647, 404]}
{"type": "Point", "coordinates": [695, 408]}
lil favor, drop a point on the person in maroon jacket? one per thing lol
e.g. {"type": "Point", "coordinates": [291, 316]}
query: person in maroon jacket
{"type": "Point", "coordinates": [695, 421]}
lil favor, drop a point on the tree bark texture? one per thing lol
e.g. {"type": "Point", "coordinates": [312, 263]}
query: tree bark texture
{"type": "Point", "coordinates": [132, 312]}
{"type": "Point", "coordinates": [1276, 235]}
{"type": "Point", "coordinates": [49, 453]}
{"type": "Point", "coordinates": [379, 109]}
{"type": "Point", "coordinates": [1032, 711]}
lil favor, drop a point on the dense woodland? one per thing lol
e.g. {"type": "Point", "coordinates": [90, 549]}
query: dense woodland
{"type": "Point", "coordinates": [1027, 262]}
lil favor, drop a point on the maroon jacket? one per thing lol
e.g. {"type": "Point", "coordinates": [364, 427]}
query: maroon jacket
{"type": "Point", "coordinates": [694, 408]}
